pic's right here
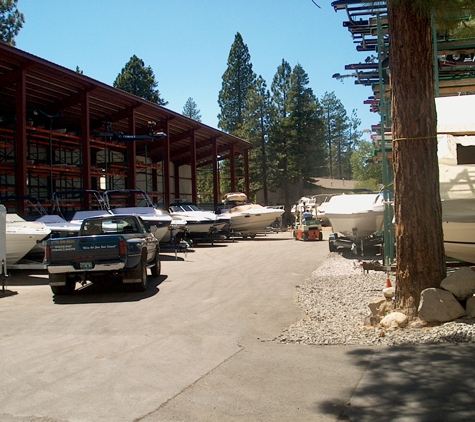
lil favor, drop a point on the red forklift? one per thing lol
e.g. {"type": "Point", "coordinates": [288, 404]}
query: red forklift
{"type": "Point", "coordinates": [307, 227]}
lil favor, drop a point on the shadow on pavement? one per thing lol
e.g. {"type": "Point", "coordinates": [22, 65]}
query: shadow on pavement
{"type": "Point", "coordinates": [412, 383]}
{"type": "Point", "coordinates": [109, 293]}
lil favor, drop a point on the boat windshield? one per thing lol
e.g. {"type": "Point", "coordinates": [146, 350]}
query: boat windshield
{"type": "Point", "coordinates": [185, 207]}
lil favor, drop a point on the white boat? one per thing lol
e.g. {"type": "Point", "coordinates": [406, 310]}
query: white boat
{"type": "Point", "coordinates": [198, 221]}
{"type": "Point", "coordinates": [35, 211]}
{"type": "Point", "coordinates": [457, 193]}
{"type": "Point", "coordinates": [248, 219]}
{"type": "Point", "coordinates": [120, 202]}
{"type": "Point", "coordinates": [22, 236]}
{"type": "Point", "coordinates": [356, 216]}
{"type": "Point", "coordinates": [69, 205]}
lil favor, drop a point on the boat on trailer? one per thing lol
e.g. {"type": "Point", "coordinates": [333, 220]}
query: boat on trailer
{"type": "Point", "coordinates": [356, 219]}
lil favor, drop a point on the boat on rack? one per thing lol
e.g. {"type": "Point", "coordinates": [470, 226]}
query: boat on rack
{"type": "Point", "coordinates": [356, 216]}
{"type": "Point", "coordinates": [457, 193]}
{"type": "Point", "coordinates": [22, 236]}
{"type": "Point", "coordinates": [136, 201]}
{"type": "Point", "coordinates": [246, 218]}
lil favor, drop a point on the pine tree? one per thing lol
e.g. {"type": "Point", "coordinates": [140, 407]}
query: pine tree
{"type": "Point", "coordinates": [281, 176]}
{"type": "Point", "coordinates": [11, 21]}
{"type": "Point", "coordinates": [139, 80]}
{"type": "Point", "coordinates": [238, 79]}
{"type": "Point", "coordinates": [353, 140]}
{"type": "Point", "coordinates": [191, 110]}
{"type": "Point", "coordinates": [335, 121]}
{"type": "Point", "coordinates": [307, 149]}
{"type": "Point", "coordinates": [255, 129]}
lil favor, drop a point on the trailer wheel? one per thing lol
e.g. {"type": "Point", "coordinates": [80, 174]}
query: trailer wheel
{"type": "Point", "coordinates": [320, 236]}
{"type": "Point", "coordinates": [156, 269]}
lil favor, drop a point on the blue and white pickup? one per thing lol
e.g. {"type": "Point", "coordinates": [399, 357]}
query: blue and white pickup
{"type": "Point", "coordinates": [108, 248]}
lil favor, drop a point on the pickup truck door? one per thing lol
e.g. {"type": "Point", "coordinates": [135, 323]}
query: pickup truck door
{"type": "Point", "coordinates": [151, 240]}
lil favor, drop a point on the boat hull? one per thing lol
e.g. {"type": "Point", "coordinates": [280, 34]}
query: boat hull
{"type": "Point", "coordinates": [356, 217]}
{"type": "Point", "coordinates": [251, 219]}
{"type": "Point", "coordinates": [459, 240]}
{"type": "Point", "coordinates": [21, 238]}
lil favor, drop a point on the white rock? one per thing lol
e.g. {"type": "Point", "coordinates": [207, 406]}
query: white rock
{"type": "Point", "coordinates": [389, 292]}
{"type": "Point", "coordinates": [437, 305]}
{"type": "Point", "coordinates": [394, 319]}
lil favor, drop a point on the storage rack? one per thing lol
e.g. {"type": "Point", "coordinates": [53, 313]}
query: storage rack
{"type": "Point", "coordinates": [54, 163]}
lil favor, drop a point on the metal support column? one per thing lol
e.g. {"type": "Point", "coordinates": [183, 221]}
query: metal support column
{"type": "Point", "coordinates": [20, 139]}
{"type": "Point", "coordinates": [194, 175]}
{"type": "Point", "coordinates": [166, 166]}
{"type": "Point", "coordinates": [131, 151]}
{"type": "Point", "coordinates": [387, 171]}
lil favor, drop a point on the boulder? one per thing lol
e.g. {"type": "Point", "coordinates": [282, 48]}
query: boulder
{"type": "Point", "coordinates": [461, 283]}
{"type": "Point", "coordinates": [470, 307]}
{"type": "Point", "coordinates": [438, 305]}
{"type": "Point", "coordinates": [375, 304]}
{"type": "Point", "coordinates": [394, 320]}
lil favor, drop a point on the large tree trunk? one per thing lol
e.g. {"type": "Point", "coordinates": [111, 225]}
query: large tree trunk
{"type": "Point", "coordinates": [420, 259]}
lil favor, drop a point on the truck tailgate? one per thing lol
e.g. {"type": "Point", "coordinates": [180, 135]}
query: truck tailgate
{"type": "Point", "coordinates": [90, 249]}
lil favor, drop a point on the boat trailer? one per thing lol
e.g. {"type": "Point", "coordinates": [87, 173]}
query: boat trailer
{"type": "Point", "coordinates": [357, 246]}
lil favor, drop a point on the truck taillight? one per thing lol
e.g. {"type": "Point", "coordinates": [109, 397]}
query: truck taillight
{"type": "Point", "coordinates": [123, 248]}
{"type": "Point", "coordinates": [47, 252]}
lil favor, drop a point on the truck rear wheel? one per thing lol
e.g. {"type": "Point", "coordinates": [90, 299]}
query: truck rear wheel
{"type": "Point", "coordinates": [142, 274]}
{"type": "Point", "coordinates": [62, 290]}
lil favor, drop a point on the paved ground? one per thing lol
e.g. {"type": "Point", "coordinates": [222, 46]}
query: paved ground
{"type": "Point", "coordinates": [197, 347]}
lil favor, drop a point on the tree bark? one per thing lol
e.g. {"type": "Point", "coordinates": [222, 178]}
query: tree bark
{"type": "Point", "coordinates": [420, 257]}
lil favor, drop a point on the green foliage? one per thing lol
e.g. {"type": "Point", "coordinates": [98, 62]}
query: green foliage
{"type": "Point", "coordinates": [337, 126]}
{"type": "Point", "coordinates": [255, 128]}
{"type": "Point", "coordinates": [365, 169]}
{"type": "Point", "coordinates": [139, 80]}
{"type": "Point", "coordinates": [295, 136]}
{"type": "Point", "coordinates": [305, 122]}
{"type": "Point", "coordinates": [11, 21]}
{"type": "Point", "coordinates": [238, 79]}
{"type": "Point", "coordinates": [191, 110]}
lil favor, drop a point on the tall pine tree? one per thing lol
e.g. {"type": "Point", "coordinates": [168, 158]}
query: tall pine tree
{"type": "Point", "coordinates": [255, 129]}
{"type": "Point", "coordinates": [335, 120]}
{"type": "Point", "coordinates": [139, 80]}
{"type": "Point", "coordinates": [307, 147]}
{"type": "Point", "coordinates": [238, 79]}
{"type": "Point", "coordinates": [190, 109]}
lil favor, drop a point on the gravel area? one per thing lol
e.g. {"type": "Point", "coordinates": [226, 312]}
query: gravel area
{"type": "Point", "coordinates": [336, 297]}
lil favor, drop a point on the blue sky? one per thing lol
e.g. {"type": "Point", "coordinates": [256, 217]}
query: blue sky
{"type": "Point", "coordinates": [187, 43]}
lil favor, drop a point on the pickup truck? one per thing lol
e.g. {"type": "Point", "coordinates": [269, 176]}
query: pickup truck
{"type": "Point", "coordinates": [108, 247]}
